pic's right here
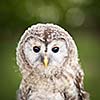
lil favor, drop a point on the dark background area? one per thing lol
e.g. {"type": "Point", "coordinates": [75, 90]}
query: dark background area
{"type": "Point", "coordinates": [81, 18]}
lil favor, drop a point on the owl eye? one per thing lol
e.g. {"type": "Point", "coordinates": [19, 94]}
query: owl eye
{"type": "Point", "coordinates": [36, 49]}
{"type": "Point", "coordinates": [55, 49]}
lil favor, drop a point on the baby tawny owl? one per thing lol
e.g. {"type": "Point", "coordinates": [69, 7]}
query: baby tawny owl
{"type": "Point", "coordinates": [48, 61]}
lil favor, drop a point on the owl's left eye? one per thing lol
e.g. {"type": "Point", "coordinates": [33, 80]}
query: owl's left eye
{"type": "Point", "coordinates": [36, 49]}
{"type": "Point", "coordinates": [55, 49]}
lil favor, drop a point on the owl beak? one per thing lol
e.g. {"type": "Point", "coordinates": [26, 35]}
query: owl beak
{"type": "Point", "coordinates": [45, 61]}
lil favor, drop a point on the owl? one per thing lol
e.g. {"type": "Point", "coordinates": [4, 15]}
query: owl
{"type": "Point", "coordinates": [48, 61]}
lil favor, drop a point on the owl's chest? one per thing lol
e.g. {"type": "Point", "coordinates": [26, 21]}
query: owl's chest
{"type": "Point", "coordinates": [47, 89]}
{"type": "Point", "coordinates": [50, 89]}
{"type": "Point", "coordinates": [50, 84]}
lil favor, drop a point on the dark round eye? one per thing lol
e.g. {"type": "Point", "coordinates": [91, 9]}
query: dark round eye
{"type": "Point", "coordinates": [36, 49]}
{"type": "Point", "coordinates": [55, 49]}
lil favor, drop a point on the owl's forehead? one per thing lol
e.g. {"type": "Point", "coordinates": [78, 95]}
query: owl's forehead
{"type": "Point", "coordinates": [46, 35]}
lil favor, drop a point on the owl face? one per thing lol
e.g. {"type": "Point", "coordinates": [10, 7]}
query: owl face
{"type": "Point", "coordinates": [45, 48]}
{"type": "Point", "coordinates": [45, 55]}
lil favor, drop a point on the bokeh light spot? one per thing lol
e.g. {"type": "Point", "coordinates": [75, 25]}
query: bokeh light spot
{"type": "Point", "coordinates": [75, 17]}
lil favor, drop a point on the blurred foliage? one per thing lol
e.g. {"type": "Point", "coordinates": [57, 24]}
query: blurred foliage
{"type": "Point", "coordinates": [81, 18]}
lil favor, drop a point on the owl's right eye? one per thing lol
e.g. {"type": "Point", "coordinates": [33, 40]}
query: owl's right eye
{"type": "Point", "coordinates": [36, 49]}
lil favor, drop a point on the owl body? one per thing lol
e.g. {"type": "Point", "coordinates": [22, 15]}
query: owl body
{"type": "Point", "coordinates": [48, 61]}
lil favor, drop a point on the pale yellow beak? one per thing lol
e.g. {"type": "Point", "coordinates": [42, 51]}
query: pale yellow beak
{"type": "Point", "coordinates": [45, 61]}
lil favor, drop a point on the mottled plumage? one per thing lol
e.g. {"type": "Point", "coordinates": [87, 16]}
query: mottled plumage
{"type": "Point", "coordinates": [48, 61]}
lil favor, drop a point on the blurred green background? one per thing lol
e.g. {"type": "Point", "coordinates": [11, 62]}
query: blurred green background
{"type": "Point", "coordinates": [81, 18]}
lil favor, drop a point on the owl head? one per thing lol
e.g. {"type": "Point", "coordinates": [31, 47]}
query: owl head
{"type": "Point", "coordinates": [45, 49]}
